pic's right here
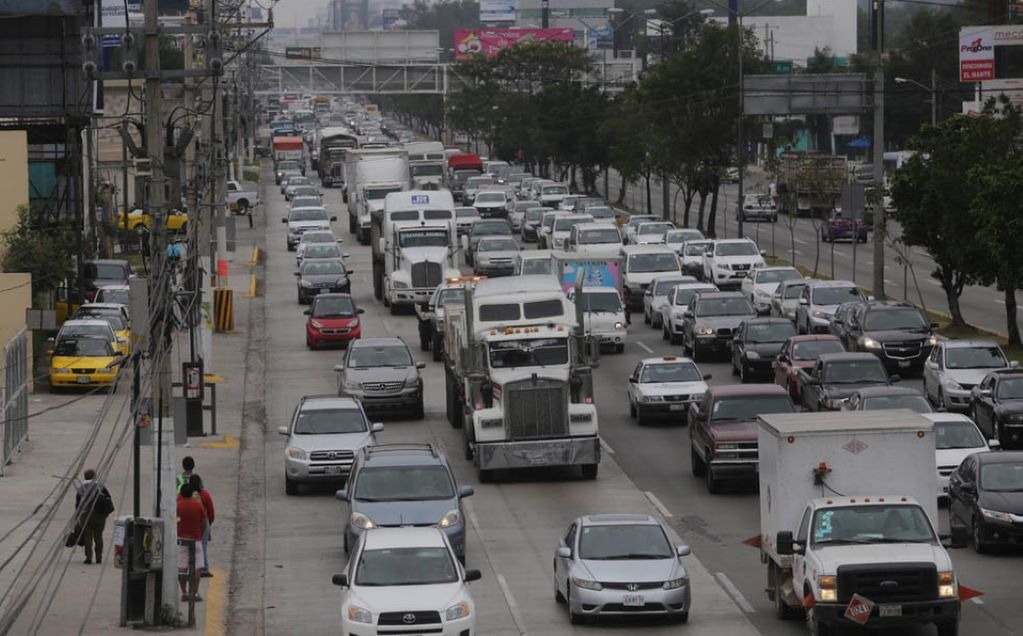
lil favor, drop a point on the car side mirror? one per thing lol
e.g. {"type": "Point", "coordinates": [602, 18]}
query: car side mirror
{"type": "Point", "coordinates": [633, 380]}
{"type": "Point", "coordinates": [360, 310]}
{"type": "Point", "coordinates": [1013, 364]}
{"type": "Point", "coordinates": [994, 444]}
{"type": "Point", "coordinates": [284, 220]}
{"type": "Point", "coordinates": [377, 427]}
{"type": "Point", "coordinates": [307, 312]}
{"type": "Point", "coordinates": [804, 301]}
{"type": "Point", "coordinates": [784, 543]}
{"type": "Point", "coordinates": [338, 368]}
{"type": "Point", "coordinates": [341, 495]}
{"type": "Point", "coordinates": [707, 376]}
{"type": "Point", "coordinates": [467, 491]}
{"type": "Point", "coordinates": [420, 365]}
{"type": "Point", "coordinates": [282, 430]}
{"type": "Point", "coordinates": [472, 575]}
{"type": "Point", "coordinates": [895, 377]}
{"type": "Point", "coordinates": [564, 552]}
{"type": "Point", "coordinates": [683, 550]}
{"type": "Point", "coordinates": [298, 273]}
{"type": "Point", "coordinates": [934, 325]}
{"type": "Point", "coordinates": [687, 314]}
{"type": "Point", "coordinates": [812, 382]}
{"type": "Point", "coordinates": [782, 358]}
{"type": "Point", "coordinates": [340, 580]}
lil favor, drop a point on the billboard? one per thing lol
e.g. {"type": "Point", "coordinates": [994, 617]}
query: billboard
{"type": "Point", "coordinates": [976, 56]}
{"type": "Point", "coordinates": [601, 38]}
{"type": "Point", "coordinates": [469, 42]}
{"type": "Point", "coordinates": [498, 10]}
{"type": "Point", "coordinates": [390, 19]}
{"type": "Point", "coordinates": [302, 53]}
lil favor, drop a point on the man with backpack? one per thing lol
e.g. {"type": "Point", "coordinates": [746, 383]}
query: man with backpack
{"type": "Point", "coordinates": [93, 505]}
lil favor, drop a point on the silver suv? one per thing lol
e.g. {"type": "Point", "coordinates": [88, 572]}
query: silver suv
{"type": "Point", "coordinates": [324, 434]}
{"type": "Point", "coordinates": [381, 374]}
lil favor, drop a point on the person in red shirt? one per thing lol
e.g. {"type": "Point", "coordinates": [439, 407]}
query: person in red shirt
{"type": "Point", "coordinates": [191, 524]}
{"type": "Point", "coordinates": [207, 501]}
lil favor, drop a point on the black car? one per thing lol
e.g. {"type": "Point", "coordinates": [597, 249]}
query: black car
{"type": "Point", "coordinates": [985, 496]}
{"type": "Point", "coordinates": [322, 276]}
{"type": "Point", "coordinates": [996, 406]}
{"type": "Point", "coordinates": [878, 398]}
{"type": "Point", "coordinates": [711, 320]}
{"type": "Point", "coordinates": [896, 332]}
{"type": "Point", "coordinates": [756, 344]}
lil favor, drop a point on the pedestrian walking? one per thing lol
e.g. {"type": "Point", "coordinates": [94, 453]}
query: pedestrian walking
{"type": "Point", "coordinates": [187, 466]}
{"type": "Point", "coordinates": [93, 505]}
{"type": "Point", "coordinates": [195, 481]}
{"type": "Point", "coordinates": [191, 521]}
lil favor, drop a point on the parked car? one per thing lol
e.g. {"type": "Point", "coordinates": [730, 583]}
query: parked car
{"type": "Point", "coordinates": [986, 499]}
{"type": "Point", "coordinates": [664, 387]}
{"type": "Point", "coordinates": [710, 321]}
{"type": "Point", "coordinates": [956, 366]}
{"type": "Point", "coordinates": [332, 319]}
{"type": "Point", "coordinates": [84, 362]}
{"type": "Point", "coordinates": [381, 373]}
{"type": "Point", "coordinates": [996, 406]}
{"type": "Point", "coordinates": [756, 345]}
{"type": "Point", "coordinates": [801, 352]}
{"type": "Point", "coordinates": [896, 332]}
{"type": "Point", "coordinates": [620, 565]}
{"type": "Point", "coordinates": [956, 437]}
{"type": "Point", "coordinates": [324, 435]}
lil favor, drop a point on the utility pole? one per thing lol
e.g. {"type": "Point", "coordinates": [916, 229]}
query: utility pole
{"type": "Point", "coordinates": [159, 301]}
{"type": "Point", "coordinates": [934, 97]}
{"type": "Point", "coordinates": [740, 141]}
{"type": "Point", "coordinates": [879, 220]}
{"type": "Point", "coordinates": [545, 14]}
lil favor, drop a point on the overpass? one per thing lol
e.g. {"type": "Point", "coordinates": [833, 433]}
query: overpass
{"type": "Point", "coordinates": [358, 78]}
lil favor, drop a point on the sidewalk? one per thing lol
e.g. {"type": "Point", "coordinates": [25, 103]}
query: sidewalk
{"type": "Point", "coordinates": [71, 595]}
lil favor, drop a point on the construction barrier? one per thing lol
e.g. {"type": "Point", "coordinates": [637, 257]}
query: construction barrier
{"type": "Point", "coordinates": [223, 310]}
{"type": "Point", "coordinates": [253, 288]}
{"type": "Point", "coordinates": [255, 256]}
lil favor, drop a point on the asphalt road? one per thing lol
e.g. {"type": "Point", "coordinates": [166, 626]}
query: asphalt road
{"type": "Point", "coordinates": [982, 306]}
{"type": "Point", "coordinates": [515, 524]}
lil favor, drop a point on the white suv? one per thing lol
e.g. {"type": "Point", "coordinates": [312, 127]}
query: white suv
{"type": "Point", "coordinates": [400, 579]}
{"type": "Point", "coordinates": [729, 261]}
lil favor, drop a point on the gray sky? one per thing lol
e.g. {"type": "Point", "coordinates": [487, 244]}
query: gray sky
{"type": "Point", "coordinates": [289, 13]}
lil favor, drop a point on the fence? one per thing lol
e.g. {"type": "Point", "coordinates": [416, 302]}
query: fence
{"type": "Point", "coordinates": [14, 420]}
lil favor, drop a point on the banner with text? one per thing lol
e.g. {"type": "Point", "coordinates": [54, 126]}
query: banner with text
{"type": "Point", "coordinates": [976, 56]}
{"type": "Point", "coordinates": [498, 10]}
{"type": "Point", "coordinates": [469, 42]}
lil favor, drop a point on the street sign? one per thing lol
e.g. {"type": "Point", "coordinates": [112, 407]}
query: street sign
{"type": "Point", "coordinates": [768, 131]}
{"type": "Point", "coordinates": [781, 67]}
{"type": "Point", "coordinates": [854, 200]}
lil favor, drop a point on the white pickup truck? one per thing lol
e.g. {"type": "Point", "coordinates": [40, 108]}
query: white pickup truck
{"type": "Point", "coordinates": [240, 200]}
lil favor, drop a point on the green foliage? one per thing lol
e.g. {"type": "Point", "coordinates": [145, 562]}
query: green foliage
{"type": "Point", "coordinates": [42, 251]}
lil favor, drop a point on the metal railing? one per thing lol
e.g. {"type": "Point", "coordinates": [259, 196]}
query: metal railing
{"type": "Point", "coordinates": [14, 417]}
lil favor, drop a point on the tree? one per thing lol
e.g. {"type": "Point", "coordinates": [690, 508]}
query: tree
{"type": "Point", "coordinates": [444, 16]}
{"type": "Point", "coordinates": [44, 251]}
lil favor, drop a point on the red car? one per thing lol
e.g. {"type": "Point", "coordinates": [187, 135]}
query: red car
{"type": "Point", "coordinates": [333, 319]}
{"type": "Point", "coordinates": [800, 352]}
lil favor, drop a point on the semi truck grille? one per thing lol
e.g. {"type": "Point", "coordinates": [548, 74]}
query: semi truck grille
{"type": "Point", "coordinates": [536, 408]}
{"type": "Point", "coordinates": [426, 274]}
{"type": "Point", "coordinates": [896, 583]}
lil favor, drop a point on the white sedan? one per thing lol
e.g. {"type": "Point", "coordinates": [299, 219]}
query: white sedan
{"type": "Point", "coordinates": [759, 286]}
{"type": "Point", "coordinates": [956, 437]}
{"type": "Point", "coordinates": [664, 387]}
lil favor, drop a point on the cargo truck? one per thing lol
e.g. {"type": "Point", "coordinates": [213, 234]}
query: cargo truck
{"type": "Point", "coordinates": [289, 149]}
{"type": "Point", "coordinates": [810, 183]}
{"type": "Point", "coordinates": [370, 175]}
{"type": "Point", "coordinates": [427, 162]}
{"type": "Point", "coordinates": [419, 258]}
{"type": "Point", "coordinates": [418, 207]}
{"type": "Point", "coordinates": [518, 377]}
{"type": "Point", "coordinates": [848, 521]}
{"type": "Point", "coordinates": [333, 146]}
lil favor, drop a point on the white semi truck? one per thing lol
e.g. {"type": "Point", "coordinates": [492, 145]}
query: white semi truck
{"type": "Point", "coordinates": [427, 164]}
{"type": "Point", "coordinates": [419, 258]}
{"type": "Point", "coordinates": [370, 175]}
{"type": "Point", "coordinates": [848, 521]}
{"type": "Point", "coordinates": [519, 377]}
{"type": "Point", "coordinates": [419, 207]}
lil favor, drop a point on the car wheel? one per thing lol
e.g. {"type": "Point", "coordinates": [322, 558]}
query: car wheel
{"type": "Point", "coordinates": [646, 318]}
{"type": "Point", "coordinates": [640, 420]}
{"type": "Point", "coordinates": [977, 537]}
{"type": "Point", "coordinates": [696, 353]}
{"type": "Point", "coordinates": [713, 483]}
{"type": "Point", "coordinates": [309, 342]}
{"type": "Point", "coordinates": [734, 369]}
{"type": "Point", "coordinates": [674, 338]}
{"type": "Point", "coordinates": [558, 596]}
{"type": "Point", "coordinates": [589, 471]}
{"type": "Point", "coordinates": [941, 398]}
{"type": "Point", "coordinates": [814, 625]}
{"type": "Point", "coordinates": [656, 321]}
{"type": "Point", "coordinates": [392, 307]}
{"type": "Point", "coordinates": [437, 348]}
{"type": "Point", "coordinates": [681, 618]}
{"type": "Point", "coordinates": [664, 331]}
{"type": "Point", "coordinates": [632, 409]}
{"type": "Point", "coordinates": [348, 548]}
{"type": "Point", "coordinates": [419, 413]}
{"type": "Point", "coordinates": [620, 347]}
{"type": "Point", "coordinates": [950, 628]}
{"type": "Point", "coordinates": [743, 378]}
{"type": "Point", "coordinates": [697, 465]}
{"type": "Point", "coordinates": [782, 611]}
{"type": "Point", "coordinates": [290, 487]}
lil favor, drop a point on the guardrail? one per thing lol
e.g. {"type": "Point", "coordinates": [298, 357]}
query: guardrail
{"type": "Point", "coordinates": [14, 417]}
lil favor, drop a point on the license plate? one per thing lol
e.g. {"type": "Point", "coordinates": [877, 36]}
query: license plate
{"type": "Point", "coordinates": [890, 611]}
{"type": "Point", "coordinates": [903, 364]}
{"type": "Point", "coordinates": [633, 600]}
{"type": "Point", "coordinates": [677, 407]}
{"type": "Point", "coordinates": [332, 470]}
{"type": "Point", "coordinates": [82, 379]}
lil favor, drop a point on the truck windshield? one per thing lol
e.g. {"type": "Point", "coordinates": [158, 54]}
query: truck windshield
{"type": "Point", "coordinates": [427, 170]}
{"type": "Point", "coordinates": [537, 352]}
{"type": "Point", "coordinates": [375, 194]}
{"type": "Point", "coordinates": [743, 248]}
{"type": "Point", "coordinates": [451, 295]}
{"type": "Point", "coordinates": [645, 263]}
{"type": "Point", "coordinates": [748, 407]}
{"type": "Point", "coordinates": [423, 238]}
{"type": "Point", "coordinates": [602, 302]}
{"type": "Point", "coordinates": [871, 524]}
{"type": "Point", "coordinates": [854, 372]}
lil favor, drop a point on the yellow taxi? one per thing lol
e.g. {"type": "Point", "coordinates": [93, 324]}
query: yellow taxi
{"type": "Point", "coordinates": [177, 221]}
{"type": "Point", "coordinates": [113, 314]}
{"type": "Point", "coordinates": [84, 362]}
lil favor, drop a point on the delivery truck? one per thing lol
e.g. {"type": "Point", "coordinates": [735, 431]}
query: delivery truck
{"type": "Point", "coordinates": [848, 521]}
{"type": "Point", "coordinates": [594, 284]}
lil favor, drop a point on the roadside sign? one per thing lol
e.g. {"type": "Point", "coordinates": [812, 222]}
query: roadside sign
{"type": "Point", "coordinates": [781, 67]}
{"type": "Point", "coordinates": [859, 609]}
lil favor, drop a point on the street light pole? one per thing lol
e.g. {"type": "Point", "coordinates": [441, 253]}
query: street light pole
{"type": "Point", "coordinates": [934, 97]}
{"type": "Point", "coordinates": [740, 141]}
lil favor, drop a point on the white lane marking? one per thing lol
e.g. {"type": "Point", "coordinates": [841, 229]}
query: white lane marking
{"type": "Point", "coordinates": [890, 282]}
{"type": "Point", "coordinates": [642, 345]}
{"type": "Point", "coordinates": [513, 607]}
{"type": "Point", "coordinates": [933, 282]}
{"type": "Point", "coordinates": [469, 512]}
{"type": "Point", "coordinates": [657, 504]}
{"type": "Point", "coordinates": [798, 252]}
{"type": "Point", "coordinates": [999, 301]}
{"type": "Point", "coordinates": [607, 447]}
{"type": "Point", "coordinates": [800, 241]}
{"type": "Point", "coordinates": [734, 592]}
{"type": "Point", "coordinates": [977, 601]}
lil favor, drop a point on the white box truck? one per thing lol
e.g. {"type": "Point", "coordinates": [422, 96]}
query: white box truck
{"type": "Point", "coordinates": [848, 521]}
{"type": "Point", "coordinates": [370, 175]}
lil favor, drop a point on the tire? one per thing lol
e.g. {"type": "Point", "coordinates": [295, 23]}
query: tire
{"type": "Point", "coordinates": [713, 483]}
{"type": "Point", "coordinates": [647, 319]}
{"type": "Point", "coordinates": [782, 611]}
{"type": "Point", "coordinates": [681, 618]}
{"type": "Point", "coordinates": [814, 626]}
{"type": "Point", "coordinates": [697, 465]}
{"type": "Point", "coordinates": [290, 487]}
{"type": "Point", "coordinates": [589, 471]}
{"type": "Point", "coordinates": [486, 476]}
{"type": "Point", "coordinates": [437, 347]}
{"type": "Point", "coordinates": [734, 369]}
{"type": "Point", "coordinates": [656, 321]}
{"type": "Point", "coordinates": [348, 548]}
{"type": "Point", "coordinates": [941, 399]}
{"type": "Point", "coordinates": [352, 224]}
{"type": "Point", "coordinates": [696, 354]}
{"type": "Point", "coordinates": [393, 308]}
{"type": "Point", "coordinates": [632, 410]}
{"type": "Point", "coordinates": [640, 420]}
{"type": "Point", "coordinates": [664, 332]}
{"type": "Point", "coordinates": [976, 540]}
{"type": "Point", "coordinates": [950, 628]}
{"type": "Point", "coordinates": [620, 348]}
{"type": "Point", "coordinates": [743, 378]}
{"type": "Point", "coordinates": [674, 339]}
{"type": "Point", "coordinates": [419, 412]}
{"type": "Point", "coordinates": [558, 596]}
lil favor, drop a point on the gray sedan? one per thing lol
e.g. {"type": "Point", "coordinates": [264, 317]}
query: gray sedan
{"type": "Point", "coordinates": [620, 564]}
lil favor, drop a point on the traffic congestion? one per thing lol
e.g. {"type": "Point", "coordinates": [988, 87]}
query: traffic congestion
{"type": "Point", "coordinates": [686, 413]}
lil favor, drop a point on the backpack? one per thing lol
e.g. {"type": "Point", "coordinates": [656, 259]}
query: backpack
{"type": "Point", "coordinates": [104, 504]}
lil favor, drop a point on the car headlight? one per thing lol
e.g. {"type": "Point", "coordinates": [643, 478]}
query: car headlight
{"type": "Point", "coordinates": [587, 585]}
{"type": "Point", "coordinates": [760, 293]}
{"type": "Point", "coordinates": [869, 343]}
{"type": "Point", "coordinates": [952, 384]}
{"type": "Point", "coordinates": [932, 341]}
{"type": "Point", "coordinates": [674, 584]}
{"type": "Point", "coordinates": [458, 611]}
{"type": "Point", "coordinates": [304, 283]}
{"type": "Point", "coordinates": [652, 398]}
{"type": "Point", "coordinates": [316, 324]}
{"type": "Point", "coordinates": [829, 588]}
{"type": "Point", "coordinates": [947, 585]}
{"type": "Point", "coordinates": [723, 266]}
{"type": "Point", "coordinates": [996, 515]}
{"type": "Point", "coordinates": [297, 453]}
{"type": "Point", "coordinates": [61, 370]}
{"type": "Point", "coordinates": [752, 355]}
{"type": "Point", "coordinates": [361, 521]}
{"type": "Point", "coordinates": [357, 614]}
{"type": "Point", "coordinates": [704, 331]}
{"type": "Point", "coordinates": [397, 284]}
{"type": "Point", "coordinates": [619, 326]}
{"type": "Point", "coordinates": [450, 518]}
{"type": "Point", "coordinates": [817, 313]}
{"type": "Point", "coordinates": [413, 383]}
{"type": "Point", "coordinates": [354, 323]}
{"type": "Point", "coordinates": [1016, 418]}
{"type": "Point", "coordinates": [348, 385]}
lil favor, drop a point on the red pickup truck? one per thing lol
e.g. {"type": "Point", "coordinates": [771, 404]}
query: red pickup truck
{"type": "Point", "coordinates": [800, 352]}
{"type": "Point", "coordinates": [723, 430]}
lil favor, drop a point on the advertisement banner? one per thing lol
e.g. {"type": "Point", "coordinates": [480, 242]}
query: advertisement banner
{"type": "Point", "coordinates": [390, 18]}
{"type": "Point", "coordinates": [469, 42]}
{"type": "Point", "coordinates": [976, 55]}
{"type": "Point", "coordinates": [600, 39]}
{"type": "Point", "coordinates": [498, 10]}
{"type": "Point", "coordinates": [596, 273]}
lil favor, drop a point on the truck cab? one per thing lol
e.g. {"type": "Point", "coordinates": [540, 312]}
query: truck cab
{"type": "Point", "coordinates": [427, 161]}
{"type": "Point", "coordinates": [417, 259]}
{"type": "Point", "coordinates": [604, 315]}
{"type": "Point", "coordinates": [413, 207]}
